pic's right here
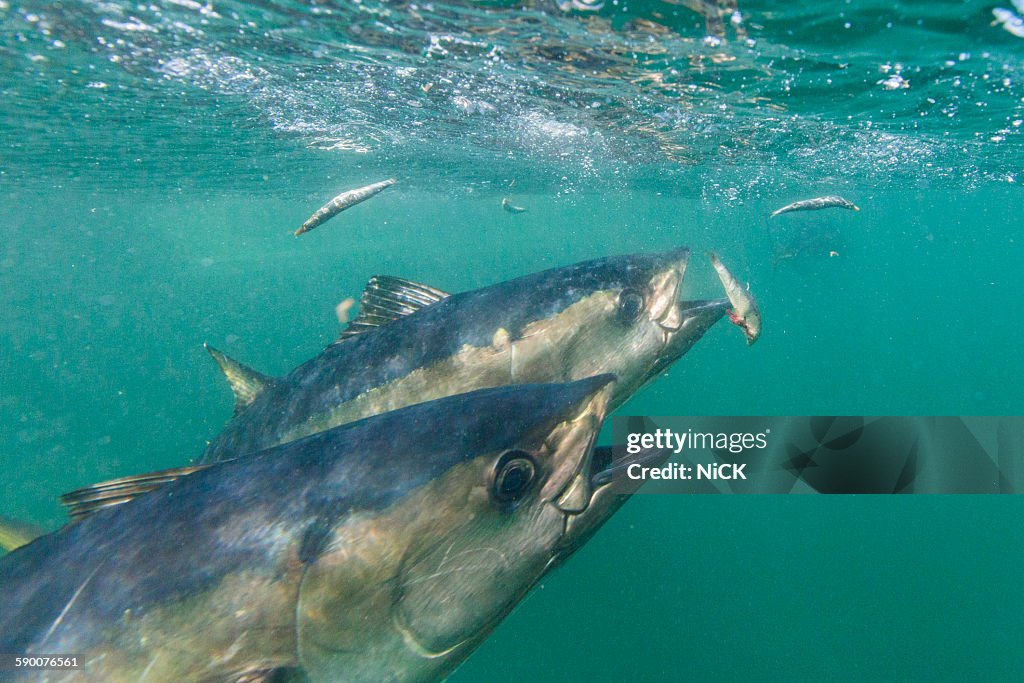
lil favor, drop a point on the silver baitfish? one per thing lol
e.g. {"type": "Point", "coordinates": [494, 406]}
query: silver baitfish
{"type": "Point", "coordinates": [744, 311]}
{"type": "Point", "coordinates": [816, 204]}
{"type": "Point", "coordinates": [510, 207]}
{"type": "Point", "coordinates": [342, 202]}
{"type": "Point", "coordinates": [580, 5]}
{"type": "Point", "coordinates": [384, 550]}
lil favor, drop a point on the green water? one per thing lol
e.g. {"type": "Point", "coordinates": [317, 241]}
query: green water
{"type": "Point", "coordinates": [150, 214]}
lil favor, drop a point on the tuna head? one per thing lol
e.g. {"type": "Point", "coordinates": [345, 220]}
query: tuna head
{"type": "Point", "coordinates": [620, 315]}
{"type": "Point", "coordinates": [407, 593]}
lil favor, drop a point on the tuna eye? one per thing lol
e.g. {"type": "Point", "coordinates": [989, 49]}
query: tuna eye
{"type": "Point", "coordinates": [631, 303]}
{"type": "Point", "coordinates": [513, 477]}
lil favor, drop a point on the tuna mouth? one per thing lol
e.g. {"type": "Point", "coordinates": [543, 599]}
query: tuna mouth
{"type": "Point", "coordinates": [706, 310]}
{"type": "Point", "coordinates": [610, 486]}
{"type": "Point", "coordinates": [696, 318]}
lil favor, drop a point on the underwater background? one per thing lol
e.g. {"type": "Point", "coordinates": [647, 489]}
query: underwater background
{"type": "Point", "coordinates": [156, 157]}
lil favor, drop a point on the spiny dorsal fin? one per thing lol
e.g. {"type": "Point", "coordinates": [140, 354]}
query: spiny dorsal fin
{"type": "Point", "coordinates": [246, 383]}
{"type": "Point", "coordinates": [388, 298]}
{"type": "Point", "coordinates": [81, 503]}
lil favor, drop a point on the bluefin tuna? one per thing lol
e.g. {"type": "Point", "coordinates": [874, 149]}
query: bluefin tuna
{"type": "Point", "coordinates": [412, 343]}
{"type": "Point", "coordinates": [383, 550]}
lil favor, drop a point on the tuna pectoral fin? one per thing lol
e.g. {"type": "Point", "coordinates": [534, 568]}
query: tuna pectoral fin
{"type": "Point", "coordinates": [14, 534]}
{"type": "Point", "coordinates": [386, 299]}
{"type": "Point", "coordinates": [245, 382]}
{"type": "Point", "coordinates": [83, 502]}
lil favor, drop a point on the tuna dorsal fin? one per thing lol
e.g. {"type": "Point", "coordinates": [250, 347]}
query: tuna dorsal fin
{"type": "Point", "coordinates": [388, 298]}
{"type": "Point", "coordinates": [246, 383]}
{"type": "Point", "coordinates": [83, 502]}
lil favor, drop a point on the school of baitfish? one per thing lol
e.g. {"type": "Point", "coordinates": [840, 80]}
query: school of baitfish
{"type": "Point", "coordinates": [375, 513]}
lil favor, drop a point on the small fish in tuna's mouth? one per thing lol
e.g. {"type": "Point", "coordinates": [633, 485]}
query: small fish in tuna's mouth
{"type": "Point", "coordinates": [744, 313]}
{"type": "Point", "coordinates": [817, 204]}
